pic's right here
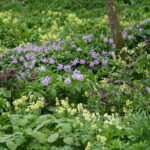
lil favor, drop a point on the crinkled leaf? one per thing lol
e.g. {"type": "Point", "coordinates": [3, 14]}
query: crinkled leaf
{"type": "Point", "coordinates": [53, 137]}
{"type": "Point", "coordinates": [68, 140]}
{"type": "Point", "coordinates": [11, 145]}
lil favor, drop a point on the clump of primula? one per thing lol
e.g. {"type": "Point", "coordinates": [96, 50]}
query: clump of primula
{"type": "Point", "coordinates": [28, 104]}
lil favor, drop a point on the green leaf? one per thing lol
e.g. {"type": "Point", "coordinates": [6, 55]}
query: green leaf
{"type": "Point", "coordinates": [20, 140]}
{"type": "Point", "coordinates": [40, 137]}
{"type": "Point", "coordinates": [66, 127]}
{"type": "Point", "coordinates": [4, 92]}
{"type": "Point", "coordinates": [11, 145]}
{"type": "Point", "coordinates": [68, 140]}
{"type": "Point", "coordinates": [53, 93]}
{"type": "Point", "coordinates": [53, 137]}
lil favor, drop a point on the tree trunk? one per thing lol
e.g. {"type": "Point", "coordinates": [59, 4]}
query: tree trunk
{"type": "Point", "coordinates": [114, 23]}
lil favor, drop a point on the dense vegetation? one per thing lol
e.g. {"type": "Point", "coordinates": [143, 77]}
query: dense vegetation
{"type": "Point", "coordinates": [63, 83]}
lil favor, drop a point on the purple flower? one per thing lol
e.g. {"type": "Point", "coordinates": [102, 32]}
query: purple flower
{"type": "Point", "coordinates": [131, 37]}
{"type": "Point", "coordinates": [44, 60]}
{"type": "Point", "coordinates": [79, 49]}
{"type": "Point", "coordinates": [112, 53]}
{"type": "Point", "coordinates": [111, 41]}
{"type": "Point", "coordinates": [140, 30]}
{"type": "Point", "coordinates": [113, 45]}
{"type": "Point", "coordinates": [91, 64]}
{"type": "Point", "coordinates": [67, 81]}
{"type": "Point", "coordinates": [22, 59]}
{"type": "Point", "coordinates": [104, 62]}
{"type": "Point", "coordinates": [124, 35]}
{"type": "Point", "coordinates": [23, 75]}
{"type": "Point", "coordinates": [1, 56]}
{"type": "Point", "coordinates": [67, 68]}
{"type": "Point", "coordinates": [82, 61]}
{"type": "Point", "coordinates": [52, 61]}
{"type": "Point", "coordinates": [41, 69]}
{"type": "Point", "coordinates": [75, 62]}
{"type": "Point", "coordinates": [74, 46]}
{"type": "Point", "coordinates": [79, 77]}
{"type": "Point", "coordinates": [12, 57]}
{"type": "Point", "coordinates": [45, 81]}
{"type": "Point", "coordinates": [31, 67]}
{"type": "Point", "coordinates": [89, 70]}
{"type": "Point", "coordinates": [104, 53]}
{"type": "Point", "coordinates": [106, 40]}
{"type": "Point", "coordinates": [96, 62]}
{"type": "Point", "coordinates": [101, 36]}
{"type": "Point", "coordinates": [88, 38]}
{"type": "Point", "coordinates": [15, 61]}
{"type": "Point", "coordinates": [76, 71]}
{"type": "Point", "coordinates": [94, 54]}
{"type": "Point", "coordinates": [60, 66]}
{"type": "Point", "coordinates": [25, 64]}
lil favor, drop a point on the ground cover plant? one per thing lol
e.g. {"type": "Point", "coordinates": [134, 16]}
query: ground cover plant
{"type": "Point", "coordinates": [63, 83]}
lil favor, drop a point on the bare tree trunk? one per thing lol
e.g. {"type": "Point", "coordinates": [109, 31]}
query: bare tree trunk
{"type": "Point", "coordinates": [114, 23]}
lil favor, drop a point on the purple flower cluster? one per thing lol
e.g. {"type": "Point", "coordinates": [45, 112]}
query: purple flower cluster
{"type": "Point", "coordinates": [77, 75]}
{"type": "Point", "coordinates": [88, 38]}
{"type": "Point", "coordinates": [41, 69]}
{"type": "Point", "coordinates": [45, 81]}
{"type": "Point", "coordinates": [67, 81]}
{"type": "Point", "coordinates": [94, 54]}
{"type": "Point", "coordinates": [107, 40]}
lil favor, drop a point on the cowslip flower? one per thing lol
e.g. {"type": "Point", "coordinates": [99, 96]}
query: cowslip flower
{"type": "Point", "coordinates": [67, 81]}
{"type": "Point", "coordinates": [45, 81]}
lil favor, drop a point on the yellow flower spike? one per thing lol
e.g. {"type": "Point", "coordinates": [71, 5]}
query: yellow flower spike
{"type": "Point", "coordinates": [80, 107]}
{"type": "Point", "coordinates": [94, 126]}
{"type": "Point", "coordinates": [64, 103]}
{"type": "Point", "coordinates": [73, 111]}
{"type": "Point", "coordinates": [89, 146]}
{"type": "Point", "coordinates": [69, 110]}
{"type": "Point", "coordinates": [128, 102]}
{"type": "Point", "coordinates": [31, 97]}
{"type": "Point", "coordinates": [102, 139]}
{"type": "Point", "coordinates": [87, 94]}
{"type": "Point", "coordinates": [24, 98]}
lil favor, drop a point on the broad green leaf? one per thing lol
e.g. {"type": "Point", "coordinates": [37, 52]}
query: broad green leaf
{"type": "Point", "coordinates": [40, 137]}
{"type": "Point", "coordinates": [53, 137]}
{"type": "Point", "coordinates": [53, 93]}
{"type": "Point", "coordinates": [68, 140]}
{"type": "Point", "coordinates": [20, 140]}
{"type": "Point", "coordinates": [11, 145]}
{"type": "Point", "coordinates": [66, 127]}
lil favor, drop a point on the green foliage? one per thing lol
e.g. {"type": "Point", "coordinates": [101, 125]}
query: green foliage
{"type": "Point", "coordinates": [100, 107]}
